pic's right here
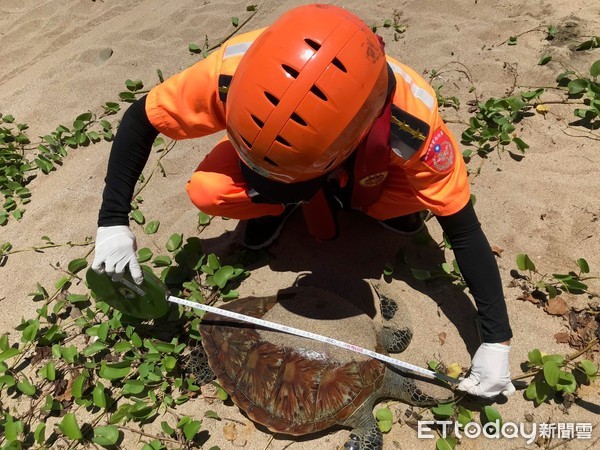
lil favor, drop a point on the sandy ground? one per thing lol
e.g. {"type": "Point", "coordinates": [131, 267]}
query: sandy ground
{"type": "Point", "coordinates": [545, 205]}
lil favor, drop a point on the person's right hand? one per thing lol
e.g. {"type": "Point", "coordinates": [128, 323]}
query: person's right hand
{"type": "Point", "coordinates": [115, 249]}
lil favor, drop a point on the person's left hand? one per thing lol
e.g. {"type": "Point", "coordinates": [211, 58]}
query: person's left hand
{"type": "Point", "coordinates": [490, 374]}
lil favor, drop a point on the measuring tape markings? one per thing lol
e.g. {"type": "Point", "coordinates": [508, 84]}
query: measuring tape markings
{"type": "Point", "coordinates": [317, 337]}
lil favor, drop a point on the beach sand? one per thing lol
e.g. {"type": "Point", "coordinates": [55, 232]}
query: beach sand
{"type": "Point", "coordinates": [62, 58]}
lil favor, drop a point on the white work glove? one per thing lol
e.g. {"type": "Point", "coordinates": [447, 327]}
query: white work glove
{"type": "Point", "coordinates": [490, 374]}
{"type": "Point", "coordinates": [115, 248]}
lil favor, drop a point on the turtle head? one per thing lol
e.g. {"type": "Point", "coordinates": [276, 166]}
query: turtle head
{"type": "Point", "coordinates": [414, 389]}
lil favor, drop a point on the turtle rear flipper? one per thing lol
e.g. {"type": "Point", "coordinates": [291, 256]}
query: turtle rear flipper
{"type": "Point", "coordinates": [196, 364]}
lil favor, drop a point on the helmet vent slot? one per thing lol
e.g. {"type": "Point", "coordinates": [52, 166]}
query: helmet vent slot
{"type": "Point", "coordinates": [282, 141]}
{"type": "Point", "coordinates": [274, 100]}
{"type": "Point", "coordinates": [318, 92]}
{"type": "Point", "coordinates": [296, 118]}
{"type": "Point", "coordinates": [270, 161]}
{"type": "Point", "coordinates": [246, 141]}
{"type": "Point", "coordinates": [313, 44]}
{"type": "Point", "coordinates": [337, 63]}
{"type": "Point", "coordinates": [290, 71]}
{"type": "Point", "coordinates": [257, 121]}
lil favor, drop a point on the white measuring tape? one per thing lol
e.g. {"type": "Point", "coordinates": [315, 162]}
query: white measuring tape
{"type": "Point", "coordinates": [317, 337]}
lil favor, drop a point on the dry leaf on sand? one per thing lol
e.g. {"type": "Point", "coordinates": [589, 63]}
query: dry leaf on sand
{"type": "Point", "coordinates": [230, 432]}
{"type": "Point", "coordinates": [557, 306]}
{"type": "Point", "coordinates": [442, 338]}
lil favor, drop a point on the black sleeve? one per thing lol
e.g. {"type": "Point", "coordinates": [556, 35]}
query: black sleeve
{"type": "Point", "coordinates": [480, 271]}
{"type": "Point", "coordinates": [128, 156]}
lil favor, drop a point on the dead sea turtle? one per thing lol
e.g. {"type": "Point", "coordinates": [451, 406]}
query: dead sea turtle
{"type": "Point", "coordinates": [296, 386]}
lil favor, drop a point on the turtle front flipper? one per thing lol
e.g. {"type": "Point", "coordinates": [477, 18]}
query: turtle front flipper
{"type": "Point", "coordinates": [196, 364]}
{"type": "Point", "coordinates": [365, 439]}
{"type": "Point", "coordinates": [387, 306]}
{"type": "Point", "coordinates": [366, 436]}
{"type": "Point", "coordinates": [396, 340]}
{"type": "Point", "coordinates": [397, 332]}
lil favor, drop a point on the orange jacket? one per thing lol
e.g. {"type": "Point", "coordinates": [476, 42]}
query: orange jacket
{"type": "Point", "coordinates": [191, 104]}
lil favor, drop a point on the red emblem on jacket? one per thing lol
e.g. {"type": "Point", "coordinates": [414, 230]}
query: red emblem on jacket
{"type": "Point", "coordinates": [440, 154]}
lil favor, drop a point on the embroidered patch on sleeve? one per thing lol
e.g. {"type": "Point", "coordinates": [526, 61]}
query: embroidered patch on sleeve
{"type": "Point", "coordinates": [440, 154]}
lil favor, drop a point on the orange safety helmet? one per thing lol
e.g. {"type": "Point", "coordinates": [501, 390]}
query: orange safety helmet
{"type": "Point", "coordinates": [305, 93]}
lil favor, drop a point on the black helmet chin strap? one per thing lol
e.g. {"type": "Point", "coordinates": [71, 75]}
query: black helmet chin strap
{"type": "Point", "coordinates": [265, 190]}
